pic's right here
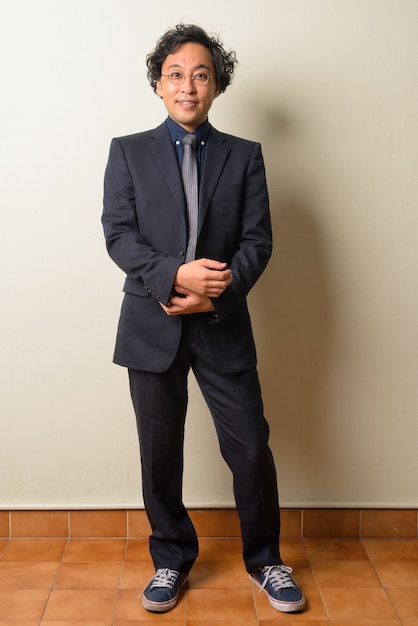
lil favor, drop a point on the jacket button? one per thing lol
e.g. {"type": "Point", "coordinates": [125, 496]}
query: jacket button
{"type": "Point", "coordinates": [182, 252]}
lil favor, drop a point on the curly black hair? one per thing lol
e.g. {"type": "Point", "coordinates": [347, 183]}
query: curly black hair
{"type": "Point", "coordinates": [223, 61]}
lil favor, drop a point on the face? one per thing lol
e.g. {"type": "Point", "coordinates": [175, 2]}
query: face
{"type": "Point", "coordinates": [188, 104]}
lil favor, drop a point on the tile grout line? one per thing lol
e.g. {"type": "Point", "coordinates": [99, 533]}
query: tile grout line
{"type": "Point", "coordinates": [311, 567]}
{"type": "Point", "coordinates": [255, 604]}
{"type": "Point", "coordinates": [53, 587]}
{"type": "Point", "coordinates": [121, 574]}
{"type": "Point", "coordinates": [382, 586]}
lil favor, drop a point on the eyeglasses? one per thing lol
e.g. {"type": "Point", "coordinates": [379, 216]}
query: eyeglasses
{"type": "Point", "coordinates": [178, 77]}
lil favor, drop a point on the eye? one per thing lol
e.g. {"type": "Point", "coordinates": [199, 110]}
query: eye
{"type": "Point", "coordinates": [176, 75]}
{"type": "Point", "coordinates": [201, 76]}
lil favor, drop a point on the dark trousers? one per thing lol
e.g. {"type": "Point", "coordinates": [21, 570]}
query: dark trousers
{"type": "Point", "coordinates": [234, 400]}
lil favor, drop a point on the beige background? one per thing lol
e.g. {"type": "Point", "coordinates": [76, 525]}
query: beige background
{"type": "Point", "coordinates": [330, 89]}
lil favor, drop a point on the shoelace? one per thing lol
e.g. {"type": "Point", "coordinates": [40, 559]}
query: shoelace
{"type": "Point", "coordinates": [278, 576]}
{"type": "Point", "coordinates": [165, 578]}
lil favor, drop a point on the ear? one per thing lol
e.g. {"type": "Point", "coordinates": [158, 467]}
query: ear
{"type": "Point", "coordinates": [159, 89]}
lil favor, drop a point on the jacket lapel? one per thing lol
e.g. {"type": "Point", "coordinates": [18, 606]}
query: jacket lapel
{"type": "Point", "coordinates": [162, 149]}
{"type": "Point", "coordinates": [217, 151]}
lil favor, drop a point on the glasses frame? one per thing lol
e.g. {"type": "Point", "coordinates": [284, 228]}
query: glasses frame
{"type": "Point", "coordinates": [192, 76]}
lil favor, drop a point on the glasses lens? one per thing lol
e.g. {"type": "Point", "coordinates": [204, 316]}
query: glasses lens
{"type": "Point", "coordinates": [201, 78]}
{"type": "Point", "coordinates": [176, 77]}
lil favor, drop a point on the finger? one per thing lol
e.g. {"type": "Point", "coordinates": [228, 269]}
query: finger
{"type": "Point", "coordinates": [212, 264]}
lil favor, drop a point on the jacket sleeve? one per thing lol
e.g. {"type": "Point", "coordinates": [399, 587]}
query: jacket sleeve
{"type": "Point", "coordinates": [125, 244]}
{"type": "Point", "coordinates": [255, 245]}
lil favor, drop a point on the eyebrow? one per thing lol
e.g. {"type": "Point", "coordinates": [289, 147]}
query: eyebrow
{"type": "Point", "coordinates": [197, 67]}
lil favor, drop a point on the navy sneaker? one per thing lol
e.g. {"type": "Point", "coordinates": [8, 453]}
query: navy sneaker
{"type": "Point", "coordinates": [162, 592]}
{"type": "Point", "coordinates": [281, 588]}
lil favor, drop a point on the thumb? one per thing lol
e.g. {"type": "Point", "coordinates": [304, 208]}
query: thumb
{"type": "Point", "coordinates": [212, 264]}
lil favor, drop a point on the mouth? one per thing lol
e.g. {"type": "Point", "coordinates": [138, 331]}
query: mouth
{"type": "Point", "coordinates": [187, 103]}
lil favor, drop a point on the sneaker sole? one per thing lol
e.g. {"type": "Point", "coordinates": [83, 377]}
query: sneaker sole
{"type": "Point", "coordinates": [284, 607]}
{"type": "Point", "coordinates": [162, 607]}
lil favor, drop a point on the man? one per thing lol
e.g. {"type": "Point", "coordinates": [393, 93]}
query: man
{"type": "Point", "coordinates": [188, 272]}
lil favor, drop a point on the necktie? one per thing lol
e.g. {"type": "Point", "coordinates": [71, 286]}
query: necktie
{"type": "Point", "coordinates": [190, 183]}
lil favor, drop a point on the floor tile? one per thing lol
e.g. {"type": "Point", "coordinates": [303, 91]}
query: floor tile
{"type": "Point", "coordinates": [136, 574]}
{"type": "Point", "coordinates": [347, 581]}
{"type": "Point", "coordinates": [228, 622]}
{"type": "Point", "coordinates": [364, 622]}
{"type": "Point", "coordinates": [335, 550]}
{"type": "Point", "coordinates": [314, 609]}
{"type": "Point", "coordinates": [22, 604]}
{"type": "Point", "coordinates": [219, 575]}
{"type": "Point", "coordinates": [405, 602]}
{"type": "Point", "coordinates": [304, 576]}
{"type": "Point", "coordinates": [398, 573]}
{"type": "Point", "coordinates": [220, 605]}
{"type": "Point", "coordinates": [158, 620]}
{"type": "Point", "coordinates": [19, 623]}
{"type": "Point", "coordinates": [391, 549]}
{"type": "Point", "coordinates": [294, 619]}
{"type": "Point", "coordinates": [129, 607]}
{"type": "Point", "coordinates": [88, 550]}
{"type": "Point", "coordinates": [73, 623]}
{"type": "Point", "coordinates": [137, 550]}
{"type": "Point", "coordinates": [345, 574]}
{"type": "Point", "coordinates": [293, 551]}
{"type": "Point", "coordinates": [81, 605]}
{"type": "Point", "coordinates": [24, 575]}
{"type": "Point", "coordinates": [34, 550]}
{"type": "Point", "coordinates": [98, 575]}
{"type": "Point", "coordinates": [357, 603]}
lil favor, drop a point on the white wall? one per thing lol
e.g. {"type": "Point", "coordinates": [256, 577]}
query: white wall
{"type": "Point", "coordinates": [330, 89]}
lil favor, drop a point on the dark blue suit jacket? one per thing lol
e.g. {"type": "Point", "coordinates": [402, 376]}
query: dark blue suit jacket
{"type": "Point", "coordinates": [144, 220]}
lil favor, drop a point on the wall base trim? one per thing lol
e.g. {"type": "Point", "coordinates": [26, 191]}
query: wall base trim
{"type": "Point", "coordinates": [134, 506]}
{"type": "Point", "coordinates": [220, 522]}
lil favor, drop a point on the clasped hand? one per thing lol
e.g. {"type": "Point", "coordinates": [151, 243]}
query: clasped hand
{"type": "Point", "coordinates": [195, 284]}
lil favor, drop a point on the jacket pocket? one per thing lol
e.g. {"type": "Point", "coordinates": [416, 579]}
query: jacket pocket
{"type": "Point", "coordinates": [135, 287]}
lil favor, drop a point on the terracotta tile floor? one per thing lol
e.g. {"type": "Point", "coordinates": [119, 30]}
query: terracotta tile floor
{"type": "Point", "coordinates": [60, 582]}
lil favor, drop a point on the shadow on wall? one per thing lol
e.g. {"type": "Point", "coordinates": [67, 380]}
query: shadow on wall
{"type": "Point", "coordinates": [293, 314]}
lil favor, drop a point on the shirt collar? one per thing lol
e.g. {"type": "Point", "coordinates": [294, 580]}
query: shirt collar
{"type": "Point", "coordinates": [177, 132]}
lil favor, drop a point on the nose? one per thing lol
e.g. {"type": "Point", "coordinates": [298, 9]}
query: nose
{"type": "Point", "coordinates": [188, 85]}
